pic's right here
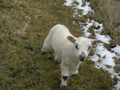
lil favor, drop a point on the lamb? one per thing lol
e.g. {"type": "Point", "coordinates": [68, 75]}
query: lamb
{"type": "Point", "coordinates": [72, 51]}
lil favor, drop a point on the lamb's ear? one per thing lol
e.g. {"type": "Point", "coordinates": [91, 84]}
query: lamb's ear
{"type": "Point", "coordinates": [71, 39]}
{"type": "Point", "coordinates": [94, 41]}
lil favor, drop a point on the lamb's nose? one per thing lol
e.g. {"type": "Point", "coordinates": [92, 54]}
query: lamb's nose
{"type": "Point", "coordinates": [82, 57]}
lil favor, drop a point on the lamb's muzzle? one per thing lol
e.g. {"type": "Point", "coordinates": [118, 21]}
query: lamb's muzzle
{"type": "Point", "coordinates": [82, 57]}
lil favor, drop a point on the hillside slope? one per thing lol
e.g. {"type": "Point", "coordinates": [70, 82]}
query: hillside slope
{"type": "Point", "coordinates": [24, 25]}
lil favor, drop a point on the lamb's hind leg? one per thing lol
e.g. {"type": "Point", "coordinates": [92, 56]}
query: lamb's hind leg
{"type": "Point", "coordinates": [57, 57]}
{"type": "Point", "coordinates": [46, 45]}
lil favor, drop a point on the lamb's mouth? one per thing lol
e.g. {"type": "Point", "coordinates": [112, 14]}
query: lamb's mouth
{"type": "Point", "coordinates": [81, 58]}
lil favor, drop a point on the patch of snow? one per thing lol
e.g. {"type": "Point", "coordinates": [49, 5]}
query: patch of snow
{"type": "Point", "coordinates": [94, 58]}
{"type": "Point", "coordinates": [96, 24]}
{"type": "Point", "coordinates": [68, 2]}
{"type": "Point", "coordinates": [104, 38]}
{"type": "Point", "coordinates": [105, 56]}
{"type": "Point", "coordinates": [116, 50]}
{"type": "Point", "coordinates": [85, 28]}
{"type": "Point", "coordinates": [118, 85]}
{"type": "Point", "coordinates": [86, 8]}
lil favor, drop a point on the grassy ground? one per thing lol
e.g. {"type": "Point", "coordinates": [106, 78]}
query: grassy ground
{"type": "Point", "coordinates": [23, 27]}
{"type": "Point", "coordinates": [108, 13]}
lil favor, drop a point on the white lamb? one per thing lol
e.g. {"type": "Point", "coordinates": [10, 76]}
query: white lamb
{"type": "Point", "coordinates": [67, 48]}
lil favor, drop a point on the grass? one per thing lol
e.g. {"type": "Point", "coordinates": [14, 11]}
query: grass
{"type": "Point", "coordinates": [108, 13]}
{"type": "Point", "coordinates": [24, 25]}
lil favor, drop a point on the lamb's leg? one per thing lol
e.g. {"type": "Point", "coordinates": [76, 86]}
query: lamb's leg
{"type": "Point", "coordinates": [46, 44]}
{"type": "Point", "coordinates": [64, 75]}
{"type": "Point", "coordinates": [74, 70]}
{"type": "Point", "coordinates": [56, 57]}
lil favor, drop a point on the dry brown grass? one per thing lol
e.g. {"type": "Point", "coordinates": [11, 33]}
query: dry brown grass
{"type": "Point", "coordinates": [108, 13]}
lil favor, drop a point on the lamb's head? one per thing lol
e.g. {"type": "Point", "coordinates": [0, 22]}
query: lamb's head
{"type": "Point", "coordinates": [82, 46]}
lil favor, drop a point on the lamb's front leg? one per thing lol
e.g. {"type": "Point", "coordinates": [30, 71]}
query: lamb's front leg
{"type": "Point", "coordinates": [64, 75]}
{"type": "Point", "coordinates": [74, 69]}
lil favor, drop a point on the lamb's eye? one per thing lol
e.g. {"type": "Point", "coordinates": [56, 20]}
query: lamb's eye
{"type": "Point", "coordinates": [76, 46]}
{"type": "Point", "coordinates": [89, 48]}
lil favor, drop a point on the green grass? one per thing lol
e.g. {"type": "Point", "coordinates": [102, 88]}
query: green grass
{"type": "Point", "coordinates": [24, 25]}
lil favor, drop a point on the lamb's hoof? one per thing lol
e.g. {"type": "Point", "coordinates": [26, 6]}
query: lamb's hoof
{"type": "Point", "coordinates": [74, 73]}
{"type": "Point", "coordinates": [63, 87]}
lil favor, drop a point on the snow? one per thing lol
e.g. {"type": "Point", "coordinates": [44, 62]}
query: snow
{"type": "Point", "coordinates": [106, 56]}
{"type": "Point", "coordinates": [104, 38]}
{"type": "Point", "coordinates": [86, 8]}
{"type": "Point", "coordinates": [102, 56]}
{"type": "Point", "coordinates": [118, 85]}
{"type": "Point", "coordinates": [117, 50]}
{"type": "Point", "coordinates": [85, 28]}
{"type": "Point", "coordinates": [68, 2]}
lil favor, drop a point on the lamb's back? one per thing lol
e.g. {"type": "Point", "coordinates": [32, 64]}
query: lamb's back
{"type": "Point", "coordinates": [59, 36]}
